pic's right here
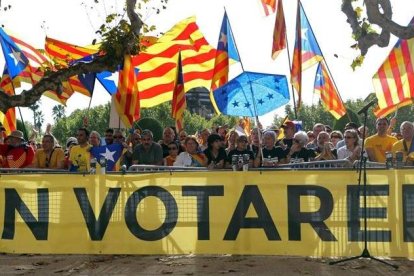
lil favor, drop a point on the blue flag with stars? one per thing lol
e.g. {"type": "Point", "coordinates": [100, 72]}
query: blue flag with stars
{"type": "Point", "coordinates": [110, 152]}
{"type": "Point", "coordinates": [252, 94]}
{"type": "Point", "coordinates": [16, 61]}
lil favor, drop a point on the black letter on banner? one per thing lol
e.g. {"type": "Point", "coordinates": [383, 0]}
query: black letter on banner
{"type": "Point", "coordinates": [315, 219]}
{"type": "Point", "coordinates": [203, 207]}
{"type": "Point", "coordinates": [170, 217]}
{"type": "Point", "coordinates": [97, 228]}
{"type": "Point", "coordinates": [13, 202]}
{"type": "Point", "coordinates": [251, 195]}
{"type": "Point", "coordinates": [408, 212]}
{"type": "Point", "coordinates": [356, 213]}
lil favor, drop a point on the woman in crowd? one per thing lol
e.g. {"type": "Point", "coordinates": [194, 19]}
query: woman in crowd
{"type": "Point", "coordinates": [335, 137]}
{"type": "Point", "coordinates": [172, 154]}
{"type": "Point", "coordinates": [351, 151]}
{"type": "Point", "coordinates": [191, 157]}
{"type": "Point", "coordinates": [215, 153]}
{"type": "Point", "coordinates": [298, 151]}
{"type": "Point", "coordinates": [232, 137]}
{"type": "Point", "coordinates": [49, 156]}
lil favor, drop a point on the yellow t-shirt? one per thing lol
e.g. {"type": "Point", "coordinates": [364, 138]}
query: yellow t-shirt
{"type": "Point", "coordinates": [80, 157]}
{"type": "Point", "coordinates": [399, 146]}
{"type": "Point", "coordinates": [44, 161]}
{"type": "Point", "coordinates": [380, 145]}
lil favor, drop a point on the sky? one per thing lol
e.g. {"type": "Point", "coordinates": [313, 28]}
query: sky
{"type": "Point", "coordinates": [75, 22]}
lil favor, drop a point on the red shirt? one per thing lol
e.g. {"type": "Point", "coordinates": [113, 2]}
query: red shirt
{"type": "Point", "coordinates": [16, 157]}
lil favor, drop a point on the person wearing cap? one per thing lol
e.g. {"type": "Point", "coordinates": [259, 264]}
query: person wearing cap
{"type": "Point", "coordinates": [49, 156]}
{"type": "Point", "coordinates": [289, 130]}
{"type": "Point", "coordinates": [70, 142]}
{"type": "Point", "coordinates": [16, 153]}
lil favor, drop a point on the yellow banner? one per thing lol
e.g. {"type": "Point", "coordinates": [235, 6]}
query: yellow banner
{"type": "Point", "coordinates": [303, 213]}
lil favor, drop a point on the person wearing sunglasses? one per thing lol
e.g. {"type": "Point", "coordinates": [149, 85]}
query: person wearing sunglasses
{"type": "Point", "coordinates": [172, 156]}
{"type": "Point", "coordinates": [352, 150]}
{"type": "Point", "coordinates": [298, 151]}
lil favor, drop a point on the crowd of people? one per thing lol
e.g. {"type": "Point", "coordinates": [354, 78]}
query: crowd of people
{"type": "Point", "coordinates": [212, 148]}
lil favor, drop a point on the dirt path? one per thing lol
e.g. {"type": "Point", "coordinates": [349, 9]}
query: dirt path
{"type": "Point", "coordinates": [191, 265]}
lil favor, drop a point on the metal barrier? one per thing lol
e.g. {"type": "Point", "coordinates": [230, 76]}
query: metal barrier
{"type": "Point", "coordinates": [325, 164]}
{"type": "Point", "coordinates": [154, 168]}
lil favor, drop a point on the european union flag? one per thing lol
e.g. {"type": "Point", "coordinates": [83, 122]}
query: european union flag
{"type": "Point", "coordinates": [252, 94]}
{"type": "Point", "coordinates": [111, 153]}
{"type": "Point", "coordinates": [16, 61]}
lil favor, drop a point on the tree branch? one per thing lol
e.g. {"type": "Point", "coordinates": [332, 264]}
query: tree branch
{"type": "Point", "coordinates": [53, 81]}
{"type": "Point", "coordinates": [383, 19]}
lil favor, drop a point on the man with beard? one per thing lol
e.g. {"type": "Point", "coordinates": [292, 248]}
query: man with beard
{"type": "Point", "coordinates": [15, 152]}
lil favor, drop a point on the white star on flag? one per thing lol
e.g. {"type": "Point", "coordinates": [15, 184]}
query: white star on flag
{"type": "Point", "coordinates": [16, 56]}
{"type": "Point", "coordinates": [109, 155]}
{"type": "Point", "coordinates": [304, 33]}
{"type": "Point", "coordinates": [112, 77]}
{"type": "Point", "coordinates": [223, 38]}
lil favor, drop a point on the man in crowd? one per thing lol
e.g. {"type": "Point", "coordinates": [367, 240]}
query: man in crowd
{"type": "Point", "coordinates": [79, 157]}
{"type": "Point", "coordinates": [168, 136]}
{"type": "Point", "coordinates": [148, 152]}
{"type": "Point", "coordinates": [379, 143]}
{"type": "Point", "coordinates": [15, 152]}
{"type": "Point", "coordinates": [404, 145]}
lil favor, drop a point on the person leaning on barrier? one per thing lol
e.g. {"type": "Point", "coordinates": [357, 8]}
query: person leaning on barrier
{"type": "Point", "coordinates": [192, 157]}
{"type": "Point", "coordinates": [241, 149]}
{"type": "Point", "coordinates": [215, 153]}
{"type": "Point", "coordinates": [148, 152]}
{"type": "Point", "coordinates": [325, 149]}
{"type": "Point", "coordinates": [404, 145]}
{"type": "Point", "coordinates": [173, 148]}
{"type": "Point", "coordinates": [49, 156]}
{"type": "Point", "coordinates": [379, 143]}
{"type": "Point", "coordinates": [79, 157]}
{"type": "Point", "coordinates": [298, 150]}
{"type": "Point", "coordinates": [16, 153]}
{"type": "Point", "coordinates": [272, 155]}
{"type": "Point", "coordinates": [352, 150]}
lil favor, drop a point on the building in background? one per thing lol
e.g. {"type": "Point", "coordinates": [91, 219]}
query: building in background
{"type": "Point", "coordinates": [198, 101]}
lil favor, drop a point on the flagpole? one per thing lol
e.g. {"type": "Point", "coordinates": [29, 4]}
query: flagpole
{"type": "Point", "coordinates": [290, 70]}
{"type": "Point", "coordinates": [241, 63]}
{"type": "Point", "coordinates": [251, 88]}
{"type": "Point", "coordinates": [326, 64]}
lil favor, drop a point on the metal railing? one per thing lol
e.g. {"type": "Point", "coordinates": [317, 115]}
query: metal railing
{"type": "Point", "coordinates": [313, 165]}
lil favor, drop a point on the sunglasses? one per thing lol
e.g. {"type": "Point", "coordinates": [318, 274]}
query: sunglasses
{"type": "Point", "coordinates": [296, 141]}
{"type": "Point", "coordinates": [172, 148]}
{"type": "Point", "coordinates": [349, 137]}
{"type": "Point", "coordinates": [118, 137]}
